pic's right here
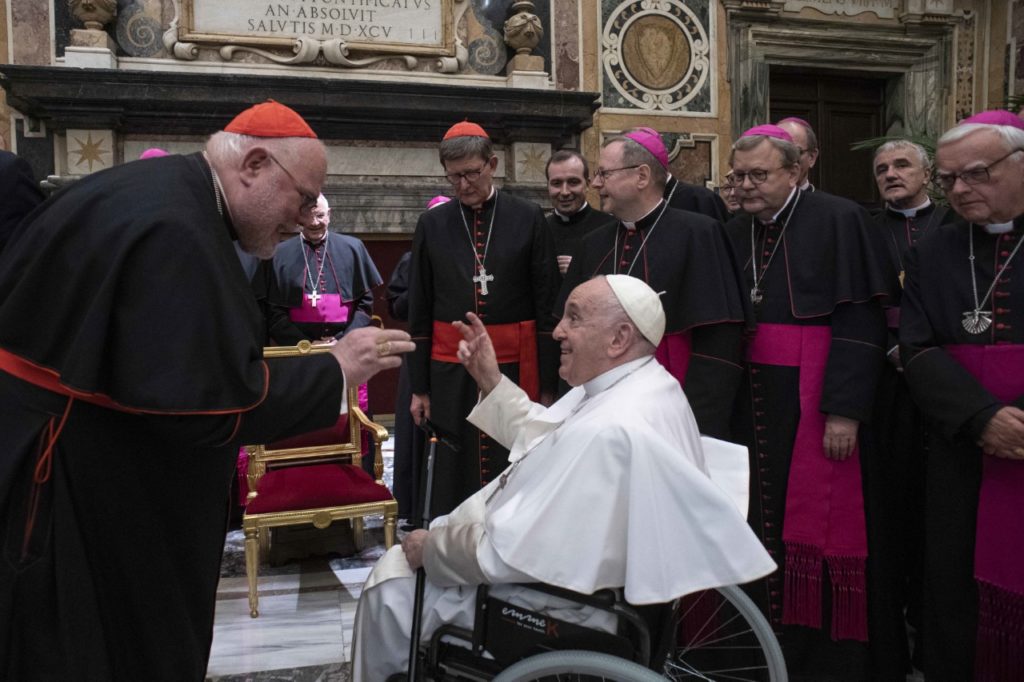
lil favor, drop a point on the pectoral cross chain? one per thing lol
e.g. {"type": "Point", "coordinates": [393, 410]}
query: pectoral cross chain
{"type": "Point", "coordinates": [482, 279]}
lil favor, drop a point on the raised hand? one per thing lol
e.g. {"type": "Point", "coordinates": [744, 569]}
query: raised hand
{"type": "Point", "coordinates": [476, 353]}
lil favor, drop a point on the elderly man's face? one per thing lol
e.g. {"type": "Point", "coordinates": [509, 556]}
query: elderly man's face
{"type": "Point", "coordinates": [807, 157]}
{"type": "Point", "coordinates": [998, 198]}
{"type": "Point", "coordinates": [471, 178]}
{"type": "Point", "coordinates": [583, 334]}
{"type": "Point", "coordinates": [615, 181]}
{"type": "Point", "coordinates": [567, 185]}
{"type": "Point", "coordinates": [763, 199]}
{"type": "Point", "coordinates": [314, 225]}
{"type": "Point", "coordinates": [279, 194]}
{"type": "Point", "coordinates": [901, 177]}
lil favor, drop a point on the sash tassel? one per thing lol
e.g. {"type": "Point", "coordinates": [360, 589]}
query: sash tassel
{"type": "Point", "coordinates": [801, 596]}
{"type": "Point", "coordinates": [1000, 643]}
{"type": "Point", "coordinates": [849, 597]}
{"type": "Point", "coordinates": [41, 475]}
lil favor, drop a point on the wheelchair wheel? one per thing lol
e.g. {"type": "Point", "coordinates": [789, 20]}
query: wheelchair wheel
{"type": "Point", "coordinates": [721, 635]}
{"type": "Point", "coordinates": [559, 666]}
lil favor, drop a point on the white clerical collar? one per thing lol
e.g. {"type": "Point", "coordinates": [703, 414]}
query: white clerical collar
{"type": "Point", "coordinates": [631, 225]}
{"type": "Point", "coordinates": [999, 228]}
{"type": "Point", "coordinates": [604, 381]}
{"type": "Point", "coordinates": [786, 203]}
{"type": "Point", "coordinates": [566, 218]}
{"type": "Point", "coordinates": [911, 212]}
{"type": "Point", "coordinates": [807, 184]}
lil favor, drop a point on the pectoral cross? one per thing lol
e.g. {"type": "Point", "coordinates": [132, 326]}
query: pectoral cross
{"type": "Point", "coordinates": [314, 297]}
{"type": "Point", "coordinates": [482, 279]}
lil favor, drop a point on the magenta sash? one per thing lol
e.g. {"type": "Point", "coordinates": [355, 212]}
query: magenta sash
{"type": "Point", "coordinates": [824, 520]}
{"type": "Point", "coordinates": [999, 548]}
{"type": "Point", "coordinates": [674, 354]}
{"type": "Point", "coordinates": [329, 309]}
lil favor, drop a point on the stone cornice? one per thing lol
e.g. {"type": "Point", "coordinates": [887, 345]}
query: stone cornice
{"type": "Point", "coordinates": [149, 102]}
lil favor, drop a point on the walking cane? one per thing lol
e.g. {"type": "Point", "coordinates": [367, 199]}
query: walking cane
{"type": "Point", "coordinates": [421, 575]}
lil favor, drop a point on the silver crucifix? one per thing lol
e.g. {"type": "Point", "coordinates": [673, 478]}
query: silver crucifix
{"type": "Point", "coordinates": [314, 297]}
{"type": "Point", "coordinates": [482, 279]}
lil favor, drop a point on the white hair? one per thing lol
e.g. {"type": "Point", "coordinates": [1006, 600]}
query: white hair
{"type": "Point", "coordinates": [231, 147]}
{"type": "Point", "coordinates": [1011, 136]}
{"type": "Point", "coordinates": [893, 145]}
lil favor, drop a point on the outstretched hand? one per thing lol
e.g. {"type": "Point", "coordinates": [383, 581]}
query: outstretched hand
{"type": "Point", "coordinates": [364, 352]}
{"type": "Point", "coordinates": [476, 353]}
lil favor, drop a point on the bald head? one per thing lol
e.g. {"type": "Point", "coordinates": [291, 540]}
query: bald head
{"type": "Point", "coordinates": [806, 141]}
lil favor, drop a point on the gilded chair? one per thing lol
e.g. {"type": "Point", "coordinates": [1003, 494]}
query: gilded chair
{"type": "Point", "coordinates": [315, 478]}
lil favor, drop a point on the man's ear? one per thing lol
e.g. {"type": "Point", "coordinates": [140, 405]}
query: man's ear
{"type": "Point", "coordinates": [643, 175]}
{"type": "Point", "coordinates": [493, 162]}
{"type": "Point", "coordinates": [254, 162]}
{"type": "Point", "coordinates": [814, 157]}
{"type": "Point", "coordinates": [622, 339]}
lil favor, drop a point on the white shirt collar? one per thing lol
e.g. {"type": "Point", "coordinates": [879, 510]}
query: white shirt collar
{"type": "Point", "coordinates": [785, 204]}
{"type": "Point", "coordinates": [911, 212]}
{"type": "Point", "coordinates": [631, 225]}
{"type": "Point", "coordinates": [999, 228]}
{"type": "Point", "coordinates": [603, 381]}
{"type": "Point", "coordinates": [565, 218]}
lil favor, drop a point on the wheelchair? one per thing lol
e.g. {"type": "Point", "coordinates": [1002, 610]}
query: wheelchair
{"type": "Point", "coordinates": [712, 635]}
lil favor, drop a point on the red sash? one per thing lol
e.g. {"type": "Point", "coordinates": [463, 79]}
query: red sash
{"type": "Point", "coordinates": [999, 548]}
{"type": "Point", "coordinates": [513, 342]}
{"type": "Point", "coordinates": [824, 520]}
{"type": "Point", "coordinates": [674, 354]}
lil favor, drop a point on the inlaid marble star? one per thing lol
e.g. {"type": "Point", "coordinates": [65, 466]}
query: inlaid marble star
{"type": "Point", "coordinates": [89, 151]}
{"type": "Point", "coordinates": [533, 162]}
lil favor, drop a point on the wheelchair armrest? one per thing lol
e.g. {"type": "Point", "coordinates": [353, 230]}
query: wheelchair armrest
{"type": "Point", "coordinates": [602, 599]}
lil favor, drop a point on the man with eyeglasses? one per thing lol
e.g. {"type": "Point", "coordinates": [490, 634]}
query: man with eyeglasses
{"type": "Point", "coordinates": [131, 370]}
{"type": "Point", "coordinates": [491, 253]}
{"type": "Point", "coordinates": [686, 196]}
{"type": "Point", "coordinates": [323, 283]}
{"type": "Point", "coordinates": [962, 346]}
{"type": "Point", "coordinates": [683, 254]}
{"type": "Point", "coordinates": [807, 143]}
{"type": "Point", "coordinates": [816, 273]}
{"type": "Point", "coordinates": [571, 217]}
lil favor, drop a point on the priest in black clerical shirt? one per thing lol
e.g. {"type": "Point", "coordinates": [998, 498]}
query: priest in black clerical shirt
{"type": "Point", "coordinates": [571, 217]}
{"type": "Point", "coordinates": [901, 169]}
{"type": "Point", "coordinates": [806, 141]}
{"type": "Point", "coordinates": [816, 273]}
{"type": "Point", "coordinates": [962, 347]}
{"type": "Point", "coordinates": [683, 254]}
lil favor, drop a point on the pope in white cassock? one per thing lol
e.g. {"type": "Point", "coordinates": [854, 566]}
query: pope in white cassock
{"type": "Point", "coordinates": [610, 487]}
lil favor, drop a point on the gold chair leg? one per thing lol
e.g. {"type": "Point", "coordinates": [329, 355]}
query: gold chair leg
{"type": "Point", "coordinates": [252, 564]}
{"type": "Point", "coordinates": [389, 530]}
{"type": "Point", "coordinates": [357, 533]}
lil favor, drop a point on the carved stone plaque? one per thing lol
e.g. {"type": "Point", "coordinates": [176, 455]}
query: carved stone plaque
{"type": "Point", "coordinates": [412, 27]}
{"type": "Point", "coordinates": [884, 9]}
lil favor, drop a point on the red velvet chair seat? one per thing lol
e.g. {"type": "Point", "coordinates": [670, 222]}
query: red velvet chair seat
{"type": "Point", "coordinates": [315, 486]}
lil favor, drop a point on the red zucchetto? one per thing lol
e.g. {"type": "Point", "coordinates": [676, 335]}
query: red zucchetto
{"type": "Point", "coordinates": [465, 129]}
{"type": "Point", "coordinates": [270, 119]}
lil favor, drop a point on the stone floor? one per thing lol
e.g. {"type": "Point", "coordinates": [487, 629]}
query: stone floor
{"type": "Point", "coordinates": [304, 629]}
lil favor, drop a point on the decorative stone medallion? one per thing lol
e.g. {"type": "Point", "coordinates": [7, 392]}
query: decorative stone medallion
{"type": "Point", "coordinates": [657, 55]}
{"type": "Point", "coordinates": [89, 151]}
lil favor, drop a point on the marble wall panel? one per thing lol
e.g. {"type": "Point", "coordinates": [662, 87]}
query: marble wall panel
{"type": "Point", "coordinates": [30, 31]}
{"type": "Point", "coordinates": [88, 151]}
{"type": "Point", "coordinates": [567, 44]}
{"type": "Point", "coordinates": [1016, 47]}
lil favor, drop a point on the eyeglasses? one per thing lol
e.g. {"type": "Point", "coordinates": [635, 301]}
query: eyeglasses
{"type": "Point", "coordinates": [469, 176]}
{"type": "Point", "coordinates": [603, 173]}
{"type": "Point", "coordinates": [757, 176]}
{"type": "Point", "coordinates": [308, 200]}
{"type": "Point", "coordinates": [971, 176]}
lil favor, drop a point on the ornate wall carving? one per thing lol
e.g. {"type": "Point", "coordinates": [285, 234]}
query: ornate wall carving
{"type": "Point", "coordinates": [657, 56]}
{"type": "Point", "coordinates": [966, 38]}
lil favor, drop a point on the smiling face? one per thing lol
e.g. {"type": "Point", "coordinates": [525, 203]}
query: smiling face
{"type": "Point", "coordinates": [267, 201]}
{"type": "Point", "coordinates": [902, 178]}
{"type": "Point", "coordinates": [567, 185]}
{"type": "Point", "coordinates": [314, 225]}
{"type": "Point", "coordinates": [997, 200]}
{"type": "Point", "coordinates": [584, 334]}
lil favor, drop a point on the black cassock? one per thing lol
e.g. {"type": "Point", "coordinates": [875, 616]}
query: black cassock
{"type": "Point", "coordinates": [897, 500]}
{"type": "Point", "coordinates": [687, 256]}
{"type": "Point", "coordinates": [130, 294]}
{"type": "Point", "coordinates": [829, 270]}
{"type": "Point", "coordinates": [938, 290]}
{"type": "Point", "coordinates": [696, 198]}
{"type": "Point", "coordinates": [340, 264]}
{"type": "Point", "coordinates": [520, 258]}
{"type": "Point", "coordinates": [568, 231]}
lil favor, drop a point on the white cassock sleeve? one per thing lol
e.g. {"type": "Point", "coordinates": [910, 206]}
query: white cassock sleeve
{"type": "Point", "coordinates": [504, 412]}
